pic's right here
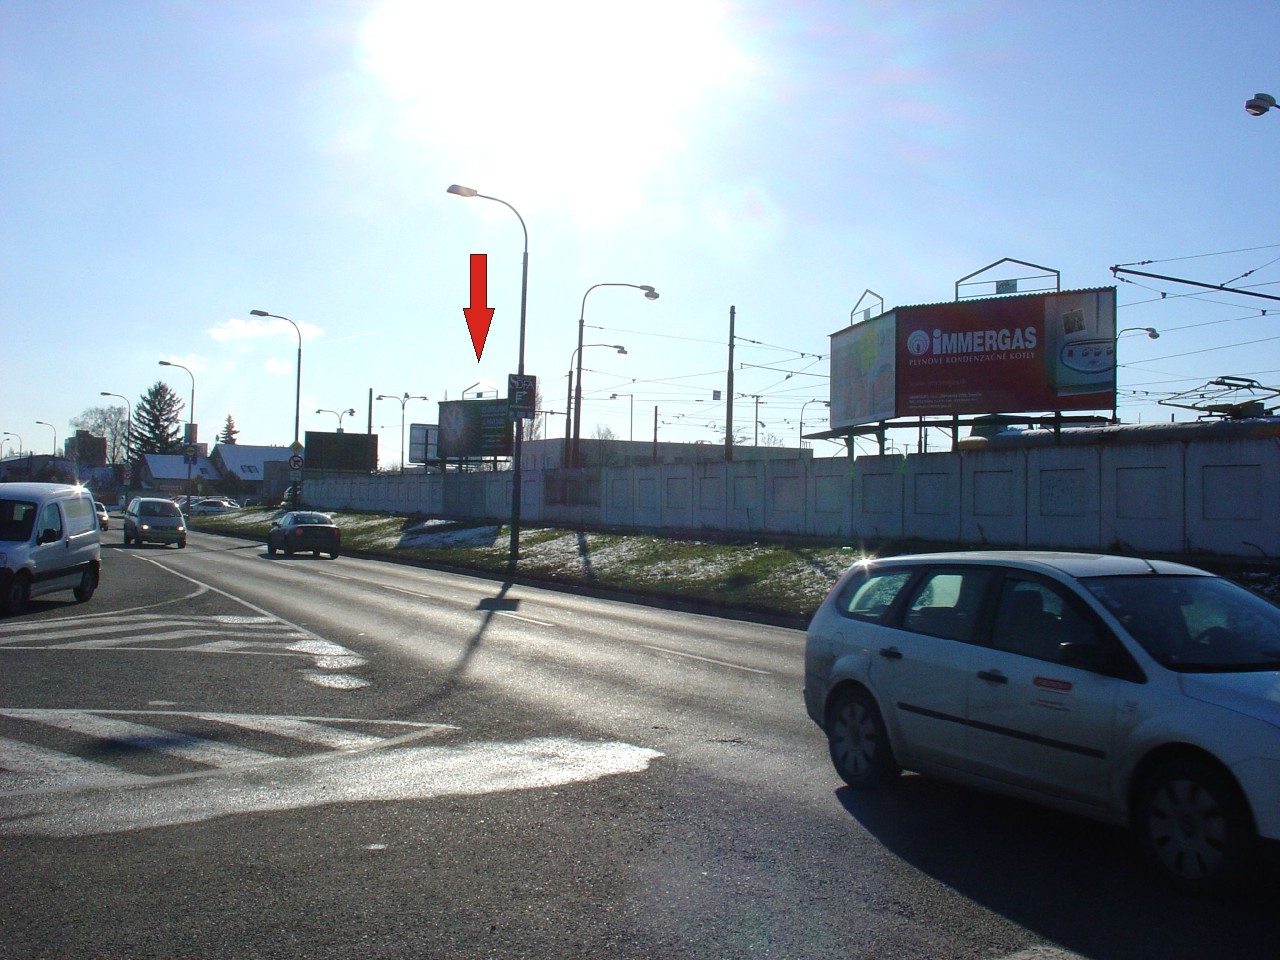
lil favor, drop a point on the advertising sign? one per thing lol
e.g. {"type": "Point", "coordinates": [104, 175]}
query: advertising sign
{"type": "Point", "coordinates": [522, 395]}
{"type": "Point", "coordinates": [475, 428]}
{"type": "Point", "coordinates": [423, 442]}
{"type": "Point", "coordinates": [1042, 352]}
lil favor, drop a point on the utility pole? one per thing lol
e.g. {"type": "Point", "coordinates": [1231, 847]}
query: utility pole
{"type": "Point", "coordinates": [728, 423]}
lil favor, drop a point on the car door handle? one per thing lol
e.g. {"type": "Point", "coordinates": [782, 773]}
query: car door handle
{"type": "Point", "coordinates": [891, 653]}
{"type": "Point", "coordinates": [992, 676]}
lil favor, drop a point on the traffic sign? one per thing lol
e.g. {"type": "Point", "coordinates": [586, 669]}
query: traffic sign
{"type": "Point", "coordinates": [522, 396]}
{"type": "Point", "coordinates": [295, 462]}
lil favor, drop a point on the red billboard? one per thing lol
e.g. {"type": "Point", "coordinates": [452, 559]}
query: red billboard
{"type": "Point", "coordinates": [1036, 353]}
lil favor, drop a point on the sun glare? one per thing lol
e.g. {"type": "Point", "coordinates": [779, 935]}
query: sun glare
{"type": "Point", "coordinates": [561, 98]}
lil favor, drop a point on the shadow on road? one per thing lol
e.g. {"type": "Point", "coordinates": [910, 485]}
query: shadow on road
{"type": "Point", "coordinates": [1071, 881]}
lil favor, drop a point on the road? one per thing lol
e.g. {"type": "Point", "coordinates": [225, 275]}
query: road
{"type": "Point", "coordinates": [225, 753]}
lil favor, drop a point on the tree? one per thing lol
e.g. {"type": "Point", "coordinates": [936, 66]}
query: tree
{"type": "Point", "coordinates": [157, 428]}
{"type": "Point", "coordinates": [531, 429]}
{"type": "Point", "coordinates": [229, 431]}
{"type": "Point", "coordinates": [111, 423]}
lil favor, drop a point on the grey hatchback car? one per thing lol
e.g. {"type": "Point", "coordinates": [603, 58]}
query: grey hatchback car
{"type": "Point", "coordinates": [154, 520]}
{"type": "Point", "coordinates": [1139, 692]}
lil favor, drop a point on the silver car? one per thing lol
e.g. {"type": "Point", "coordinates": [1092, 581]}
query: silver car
{"type": "Point", "coordinates": [1137, 692]}
{"type": "Point", "coordinates": [154, 520]}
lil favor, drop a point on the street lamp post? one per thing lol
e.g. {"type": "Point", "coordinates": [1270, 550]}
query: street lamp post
{"type": "Point", "coordinates": [825, 403]}
{"type": "Point", "coordinates": [1152, 334]}
{"type": "Point", "coordinates": [402, 401]}
{"type": "Point", "coordinates": [297, 394]}
{"type": "Point", "coordinates": [461, 191]}
{"type": "Point", "coordinates": [632, 398]}
{"type": "Point", "coordinates": [191, 419]}
{"type": "Point", "coordinates": [340, 414]}
{"type": "Point", "coordinates": [650, 294]}
{"type": "Point", "coordinates": [128, 419]}
{"type": "Point", "coordinates": [55, 434]}
{"type": "Point", "coordinates": [573, 459]}
{"type": "Point", "coordinates": [8, 434]}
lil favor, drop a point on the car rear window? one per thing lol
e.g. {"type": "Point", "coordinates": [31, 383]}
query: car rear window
{"type": "Point", "coordinates": [17, 520]}
{"type": "Point", "coordinates": [313, 518]}
{"type": "Point", "coordinates": [869, 596]}
{"type": "Point", "coordinates": [159, 508]}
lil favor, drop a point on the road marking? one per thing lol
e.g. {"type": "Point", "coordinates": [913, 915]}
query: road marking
{"type": "Point", "coordinates": [694, 656]}
{"type": "Point", "coordinates": [387, 772]}
{"type": "Point", "coordinates": [142, 736]}
{"type": "Point", "coordinates": [516, 616]}
{"type": "Point", "coordinates": [1043, 952]}
{"type": "Point", "coordinates": [25, 765]}
{"type": "Point", "coordinates": [259, 635]}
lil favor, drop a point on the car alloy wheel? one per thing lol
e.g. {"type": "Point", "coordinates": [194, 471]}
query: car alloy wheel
{"type": "Point", "coordinates": [858, 741]}
{"type": "Point", "coordinates": [1195, 826]}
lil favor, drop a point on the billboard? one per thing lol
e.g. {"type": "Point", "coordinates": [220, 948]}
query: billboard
{"type": "Point", "coordinates": [475, 428]}
{"type": "Point", "coordinates": [423, 443]}
{"type": "Point", "coordinates": [342, 451]}
{"type": "Point", "coordinates": [1038, 353]}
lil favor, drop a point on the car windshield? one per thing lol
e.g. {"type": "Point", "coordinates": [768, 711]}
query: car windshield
{"type": "Point", "coordinates": [17, 519]}
{"type": "Point", "coordinates": [159, 508]}
{"type": "Point", "coordinates": [1194, 624]}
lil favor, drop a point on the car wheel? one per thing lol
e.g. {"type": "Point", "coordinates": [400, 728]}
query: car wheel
{"type": "Point", "coordinates": [271, 548]}
{"type": "Point", "coordinates": [17, 594]}
{"type": "Point", "coordinates": [288, 550]}
{"type": "Point", "coordinates": [88, 584]}
{"type": "Point", "coordinates": [182, 543]}
{"type": "Point", "coordinates": [1194, 826]}
{"type": "Point", "coordinates": [333, 554]}
{"type": "Point", "coordinates": [858, 741]}
{"type": "Point", "coordinates": [127, 539]}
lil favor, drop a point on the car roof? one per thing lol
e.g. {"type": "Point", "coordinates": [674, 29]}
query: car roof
{"type": "Point", "coordinates": [31, 490]}
{"type": "Point", "coordinates": [1063, 563]}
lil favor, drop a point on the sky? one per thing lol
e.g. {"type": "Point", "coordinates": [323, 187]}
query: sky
{"type": "Point", "coordinates": [168, 166]}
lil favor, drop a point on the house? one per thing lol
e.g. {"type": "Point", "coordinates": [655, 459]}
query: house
{"type": "Point", "coordinates": [254, 468]}
{"type": "Point", "coordinates": [166, 474]}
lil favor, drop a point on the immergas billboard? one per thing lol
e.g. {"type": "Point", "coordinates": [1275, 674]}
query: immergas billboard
{"type": "Point", "coordinates": [1044, 352]}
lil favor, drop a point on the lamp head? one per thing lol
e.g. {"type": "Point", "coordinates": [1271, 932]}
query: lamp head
{"type": "Point", "coordinates": [1153, 333]}
{"type": "Point", "coordinates": [259, 313]}
{"type": "Point", "coordinates": [460, 191]}
{"type": "Point", "coordinates": [1259, 104]}
{"type": "Point", "coordinates": [165, 363]}
{"type": "Point", "coordinates": [622, 350]}
{"type": "Point", "coordinates": [649, 292]}
{"type": "Point", "coordinates": [351, 412]}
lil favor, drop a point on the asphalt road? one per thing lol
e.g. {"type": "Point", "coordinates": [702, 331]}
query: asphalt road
{"type": "Point", "coordinates": [226, 754]}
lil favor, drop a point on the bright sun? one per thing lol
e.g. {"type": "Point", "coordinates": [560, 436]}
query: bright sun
{"type": "Point", "coordinates": [563, 97]}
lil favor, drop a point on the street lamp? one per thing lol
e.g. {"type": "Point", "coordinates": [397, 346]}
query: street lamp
{"type": "Point", "coordinates": [632, 398]}
{"type": "Point", "coordinates": [1259, 104]}
{"type": "Point", "coordinates": [128, 415]}
{"type": "Point", "coordinates": [650, 294]}
{"type": "Point", "coordinates": [340, 414]}
{"type": "Point", "coordinates": [402, 401]}
{"type": "Point", "coordinates": [297, 399]}
{"type": "Point", "coordinates": [191, 419]}
{"type": "Point", "coordinates": [460, 191]}
{"type": "Point", "coordinates": [8, 434]}
{"type": "Point", "coordinates": [825, 403]}
{"type": "Point", "coordinates": [55, 435]}
{"type": "Point", "coordinates": [1152, 334]}
{"type": "Point", "coordinates": [574, 402]}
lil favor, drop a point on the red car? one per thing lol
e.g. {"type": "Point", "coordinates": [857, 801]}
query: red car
{"type": "Point", "coordinates": [301, 530]}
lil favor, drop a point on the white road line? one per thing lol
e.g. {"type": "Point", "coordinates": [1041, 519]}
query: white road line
{"type": "Point", "coordinates": [694, 656]}
{"type": "Point", "coordinates": [295, 729]}
{"type": "Point", "coordinates": [169, 742]}
{"type": "Point", "coordinates": [23, 765]}
{"type": "Point", "coordinates": [1043, 952]}
{"type": "Point", "coordinates": [516, 616]}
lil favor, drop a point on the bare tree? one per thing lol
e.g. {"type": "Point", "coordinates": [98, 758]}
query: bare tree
{"type": "Point", "coordinates": [110, 423]}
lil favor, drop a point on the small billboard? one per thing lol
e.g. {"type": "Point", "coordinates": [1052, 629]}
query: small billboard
{"type": "Point", "coordinates": [475, 428]}
{"type": "Point", "coordinates": [423, 443]}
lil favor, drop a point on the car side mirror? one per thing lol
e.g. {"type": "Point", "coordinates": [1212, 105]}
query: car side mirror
{"type": "Point", "coordinates": [48, 536]}
{"type": "Point", "coordinates": [275, 523]}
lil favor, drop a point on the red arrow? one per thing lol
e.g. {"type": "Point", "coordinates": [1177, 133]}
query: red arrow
{"type": "Point", "coordinates": [479, 315]}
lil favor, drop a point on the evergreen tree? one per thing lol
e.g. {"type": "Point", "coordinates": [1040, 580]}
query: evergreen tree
{"type": "Point", "coordinates": [229, 431]}
{"type": "Point", "coordinates": [157, 423]}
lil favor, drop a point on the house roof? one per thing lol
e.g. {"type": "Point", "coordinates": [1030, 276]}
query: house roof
{"type": "Point", "coordinates": [172, 466]}
{"type": "Point", "coordinates": [245, 461]}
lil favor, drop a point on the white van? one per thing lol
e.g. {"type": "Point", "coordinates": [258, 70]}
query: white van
{"type": "Point", "coordinates": [48, 541]}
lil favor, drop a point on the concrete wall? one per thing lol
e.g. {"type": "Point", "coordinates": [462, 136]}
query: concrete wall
{"type": "Point", "coordinates": [1219, 497]}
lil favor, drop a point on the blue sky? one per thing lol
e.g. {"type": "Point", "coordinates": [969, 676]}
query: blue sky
{"type": "Point", "coordinates": [170, 166]}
